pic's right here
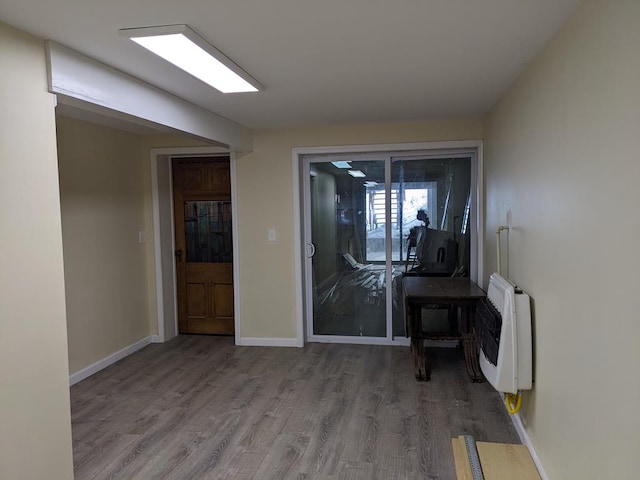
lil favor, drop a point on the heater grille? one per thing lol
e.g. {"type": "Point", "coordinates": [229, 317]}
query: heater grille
{"type": "Point", "coordinates": [488, 326]}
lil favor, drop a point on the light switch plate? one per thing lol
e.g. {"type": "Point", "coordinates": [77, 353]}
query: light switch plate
{"type": "Point", "coordinates": [271, 235]}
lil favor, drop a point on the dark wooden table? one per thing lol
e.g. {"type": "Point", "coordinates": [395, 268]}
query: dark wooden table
{"type": "Point", "coordinates": [445, 291]}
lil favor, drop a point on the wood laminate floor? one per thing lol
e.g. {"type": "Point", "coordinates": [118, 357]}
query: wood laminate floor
{"type": "Point", "coordinates": [198, 407]}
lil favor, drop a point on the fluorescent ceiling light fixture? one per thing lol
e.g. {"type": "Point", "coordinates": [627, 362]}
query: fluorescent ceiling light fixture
{"type": "Point", "coordinates": [357, 173]}
{"type": "Point", "coordinates": [183, 47]}
{"type": "Point", "coordinates": [341, 164]}
{"type": "Point", "coordinates": [370, 184]}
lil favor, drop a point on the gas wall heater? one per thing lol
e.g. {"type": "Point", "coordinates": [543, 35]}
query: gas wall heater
{"type": "Point", "coordinates": [503, 329]}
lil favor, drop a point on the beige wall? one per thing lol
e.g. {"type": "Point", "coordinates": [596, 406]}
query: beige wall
{"type": "Point", "coordinates": [103, 191]}
{"type": "Point", "coordinates": [265, 200]}
{"type": "Point", "coordinates": [561, 155]}
{"type": "Point", "coordinates": [35, 425]}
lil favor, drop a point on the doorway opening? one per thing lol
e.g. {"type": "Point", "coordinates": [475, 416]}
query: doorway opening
{"type": "Point", "coordinates": [166, 285]}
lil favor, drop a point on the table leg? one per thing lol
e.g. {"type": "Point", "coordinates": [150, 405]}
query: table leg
{"type": "Point", "coordinates": [476, 362]}
{"type": "Point", "coordinates": [419, 363]}
{"type": "Point", "coordinates": [417, 345]}
{"type": "Point", "coordinates": [474, 346]}
{"type": "Point", "coordinates": [469, 346]}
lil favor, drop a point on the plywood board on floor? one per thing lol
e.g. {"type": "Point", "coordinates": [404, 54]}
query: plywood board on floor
{"type": "Point", "coordinates": [463, 469]}
{"type": "Point", "coordinates": [499, 461]}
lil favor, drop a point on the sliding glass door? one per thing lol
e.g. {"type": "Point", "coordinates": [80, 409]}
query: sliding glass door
{"type": "Point", "coordinates": [370, 219]}
{"type": "Point", "coordinates": [431, 237]}
{"type": "Point", "coordinates": [348, 236]}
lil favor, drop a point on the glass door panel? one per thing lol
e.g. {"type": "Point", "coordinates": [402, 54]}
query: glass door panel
{"type": "Point", "coordinates": [348, 221]}
{"type": "Point", "coordinates": [431, 200]}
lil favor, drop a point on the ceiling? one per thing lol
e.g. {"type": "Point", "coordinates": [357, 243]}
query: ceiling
{"type": "Point", "coordinates": [321, 62]}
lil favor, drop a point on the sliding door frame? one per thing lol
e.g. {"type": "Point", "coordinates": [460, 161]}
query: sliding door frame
{"type": "Point", "coordinates": [431, 149]}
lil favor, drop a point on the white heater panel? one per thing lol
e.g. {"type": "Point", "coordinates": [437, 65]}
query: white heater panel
{"type": "Point", "coordinates": [514, 366]}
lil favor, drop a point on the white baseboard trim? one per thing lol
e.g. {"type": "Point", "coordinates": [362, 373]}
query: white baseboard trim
{"type": "Point", "coordinates": [156, 339]}
{"type": "Point", "coordinates": [354, 340]}
{"type": "Point", "coordinates": [109, 360]}
{"type": "Point", "coordinates": [524, 438]}
{"type": "Point", "coordinates": [267, 342]}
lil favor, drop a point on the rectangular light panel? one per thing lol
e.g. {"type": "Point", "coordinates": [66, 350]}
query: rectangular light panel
{"type": "Point", "coordinates": [181, 46]}
{"type": "Point", "coordinates": [341, 164]}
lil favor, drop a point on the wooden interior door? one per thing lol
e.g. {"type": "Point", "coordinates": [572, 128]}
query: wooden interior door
{"type": "Point", "coordinates": [204, 256]}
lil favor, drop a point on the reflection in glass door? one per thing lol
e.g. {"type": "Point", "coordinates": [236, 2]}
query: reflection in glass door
{"type": "Point", "coordinates": [370, 220]}
{"type": "Point", "coordinates": [348, 234]}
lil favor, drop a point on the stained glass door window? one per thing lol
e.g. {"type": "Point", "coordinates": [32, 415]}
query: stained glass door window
{"type": "Point", "coordinates": [208, 231]}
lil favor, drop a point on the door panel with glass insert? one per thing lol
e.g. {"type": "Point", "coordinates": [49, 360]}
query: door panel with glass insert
{"type": "Point", "coordinates": [431, 198]}
{"type": "Point", "coordinates": [204, 254]}
{"type": "Point", "coordinates": [348, 232]}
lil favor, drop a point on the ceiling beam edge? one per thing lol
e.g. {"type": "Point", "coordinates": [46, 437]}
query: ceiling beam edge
{"type": "Point", "coordinates": [74, 75]}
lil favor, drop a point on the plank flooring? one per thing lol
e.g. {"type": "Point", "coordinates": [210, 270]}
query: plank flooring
{"type": "Point", "coordinates": [198, 407]}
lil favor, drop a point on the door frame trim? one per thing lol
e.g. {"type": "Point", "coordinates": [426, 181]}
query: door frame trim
{"type": "Point", "coordinates": [164, 235]}
{"type": "Point", "coordinates": [298, 225]}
